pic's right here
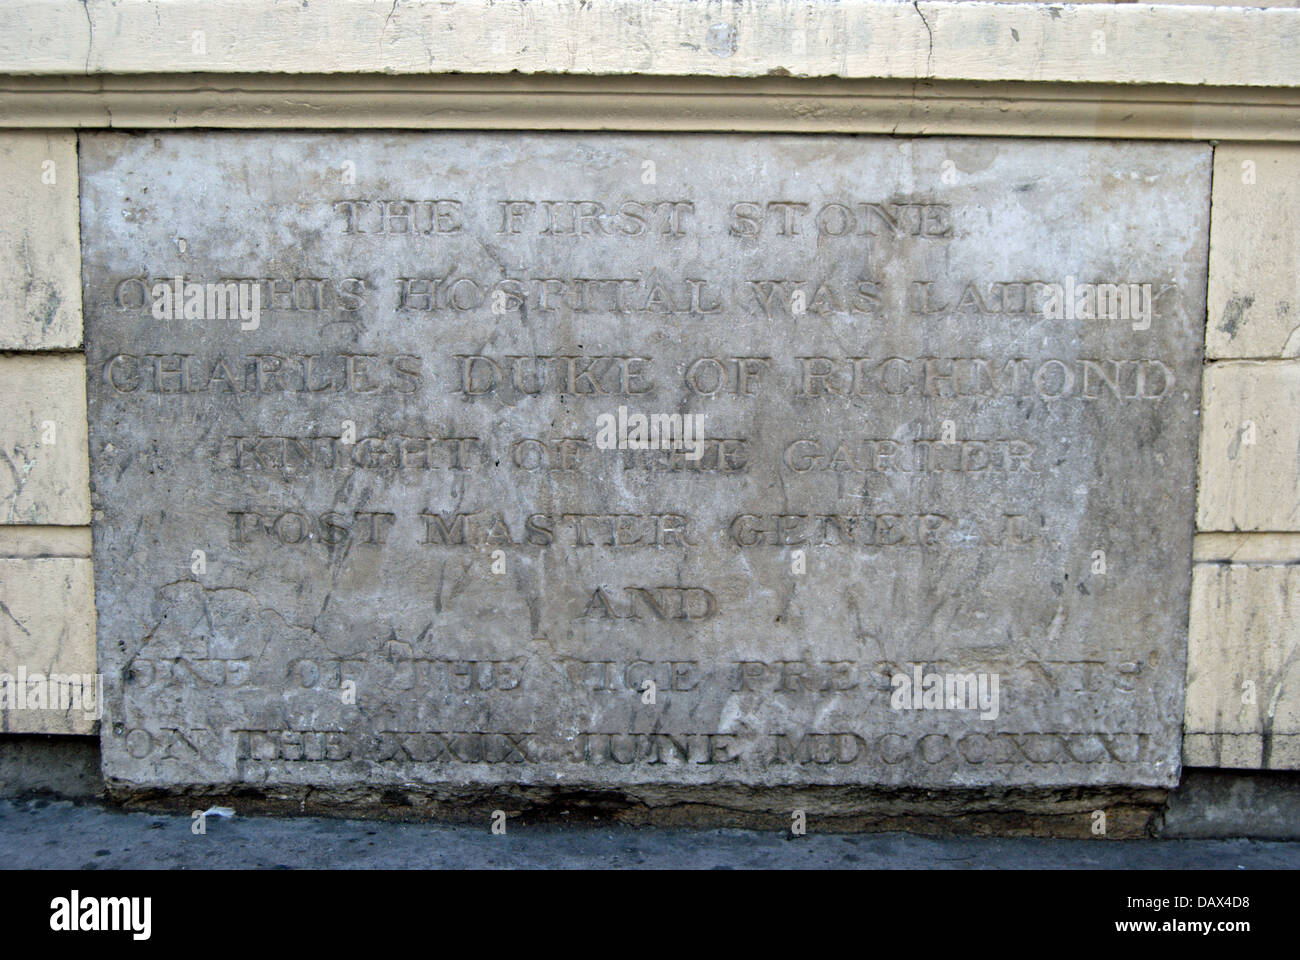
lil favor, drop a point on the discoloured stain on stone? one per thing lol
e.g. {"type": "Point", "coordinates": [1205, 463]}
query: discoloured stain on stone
{"type": "Point", "coordinates": [1232, 313]}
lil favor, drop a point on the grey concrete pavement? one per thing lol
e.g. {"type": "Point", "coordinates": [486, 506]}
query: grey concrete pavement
{"type": "Point", "coordinates": [44, 834]}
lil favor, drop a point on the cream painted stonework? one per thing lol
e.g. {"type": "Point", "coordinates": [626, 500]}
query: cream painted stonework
{"type": "Point", "coordinates": [1243, 672]}
{"type": "Point", "coordinates": [1077, 43]}
{"type": "Point", "coordinates": [1250, 447]}
{"type": "Point", "coordinates": [1254, 296]}
{"type": "Point", "coordinates": [47, 626]}
{"type": "Point", "coordinates": [44, 464]}
{"type": "Point", "coordinates": [40, 259]}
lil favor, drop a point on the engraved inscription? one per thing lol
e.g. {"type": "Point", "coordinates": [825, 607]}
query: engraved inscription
{"type": "Point", "coordinates": [921, 407]}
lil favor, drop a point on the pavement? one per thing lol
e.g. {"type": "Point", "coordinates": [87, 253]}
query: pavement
{"type": "Point", "coordinates": [62, 834]}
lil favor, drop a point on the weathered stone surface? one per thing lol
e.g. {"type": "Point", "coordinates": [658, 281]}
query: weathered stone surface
{"type": "Point", "coordinates": [1260, 548]}
{"type": "Point", "coordinates": [1250, 447]}
{"type": "Point", "coordinates": [1243, 673]}
{"type": "Point", "coordinates": [47, 628]}
{"type": "Point", "coordinates": [43, 462]}
{"type": "Point", "coordinates": [1071, 42]}
{"type": "Point", "coordinates": [1254, 288]}
{"type": "Point", "coordinates": [44, 541]}
{"type": "Point", "coordinates": [40, 272]}
{"type": "Point", "coordinates": [902, 472]}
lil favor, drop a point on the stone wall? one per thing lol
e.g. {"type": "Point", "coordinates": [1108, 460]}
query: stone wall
{"type": "Point", "coordinates": [1226, 75]}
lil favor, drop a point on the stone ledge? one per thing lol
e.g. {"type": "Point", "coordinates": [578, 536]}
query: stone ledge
{"type": "Point", "coordinates": [39, 765]}
{"type": "Point", "coordinates": [1233, 803]}
{"type": "Point", "coordinates": [1077, 43]}
{"type": "Point", "coordinates": [758, 104]}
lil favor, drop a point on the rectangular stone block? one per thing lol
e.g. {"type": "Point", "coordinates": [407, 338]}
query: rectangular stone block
{"type": "Point", "coordinates": [48, 678]}
{"type": "Point", "coordinates": [44, 541]}
{"type": "Point", "coordinates": [1110, 43]}
{"type": "Point", "coordinates": [1254, 289]}
{"type": "Point", "coordinates": [391, 489]}
{"type": "Point", "coordinates": [1258, 548]}
{"type": "Point", "coordinates": [1243, 668]}
{"type": "Point", "coordinates": [1250, 447]}
{"type": "Point", "coordinates": [44, 473]}
{"type": "Point", "coordinates": [40, 265]}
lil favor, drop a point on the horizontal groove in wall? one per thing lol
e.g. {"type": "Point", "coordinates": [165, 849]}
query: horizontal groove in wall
{"type": "Point", "coordinates": [38, 542]}
{"type": "Point", "coordinates": [6, 353]}
{"type": "Point", "coordinates": [1266, 549]}
{"type": "Point", "coordinates": [1253, 362]}
{"type": "Point", "coordinates": [900, 107]}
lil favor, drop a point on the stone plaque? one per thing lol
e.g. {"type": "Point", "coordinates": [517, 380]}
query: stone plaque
{"type": "Point", "coordinates": [613, 460]}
